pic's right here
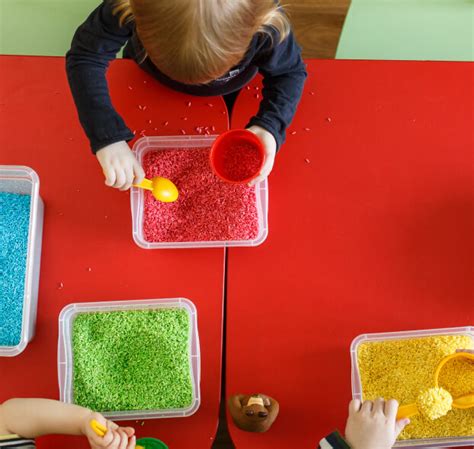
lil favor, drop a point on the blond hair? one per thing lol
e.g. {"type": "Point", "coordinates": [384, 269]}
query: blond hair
{"type": "Point", "coordinates": [196, 41]}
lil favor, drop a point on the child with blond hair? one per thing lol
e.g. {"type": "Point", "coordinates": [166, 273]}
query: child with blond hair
{"type": "Point", "coordinates": [200, 47]}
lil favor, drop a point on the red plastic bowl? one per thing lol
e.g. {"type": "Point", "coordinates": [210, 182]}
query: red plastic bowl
{"type": "Point", "coordinates": [232, 139]}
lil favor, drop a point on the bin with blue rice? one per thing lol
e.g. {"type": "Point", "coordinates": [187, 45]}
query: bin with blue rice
{"type": "Point", "coordinates": [21, 228]}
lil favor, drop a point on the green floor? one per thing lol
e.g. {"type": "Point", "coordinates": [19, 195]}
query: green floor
{"type": "Point", "coordinates": [40, 27]}
{"type": "Point", "coordinates": [409, 29]}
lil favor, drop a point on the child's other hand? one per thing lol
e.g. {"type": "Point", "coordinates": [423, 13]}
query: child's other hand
{"type": "Point", "coordinates": [121, 168]}
{"type": "Point", "coordinates": [373, 425]}
{"type": "Point", "coordinates": [270, 146]}
{"type": "Point", "coordinates": [115, 438]}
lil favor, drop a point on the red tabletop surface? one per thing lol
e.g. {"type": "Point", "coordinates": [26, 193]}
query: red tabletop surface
{"type": "Point", "coordinates": [371, 230]}
{"type": "Point", "coordinates": [88, 225]}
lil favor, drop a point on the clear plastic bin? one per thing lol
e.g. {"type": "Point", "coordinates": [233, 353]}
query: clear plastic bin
{"type": "Point", "coordinates": [146, 144]}
{"type": "Point", "coordinates": [25, 181]}
{"type": "Point", "coordinates": [65, 355]}
{"type": "Point", "coordinates": [357, 387]}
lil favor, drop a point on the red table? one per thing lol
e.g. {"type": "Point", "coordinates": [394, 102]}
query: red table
{"type": "Point", "coordinates": [88, 225]}
{"type": "Point", "coordinates": [374, 232]}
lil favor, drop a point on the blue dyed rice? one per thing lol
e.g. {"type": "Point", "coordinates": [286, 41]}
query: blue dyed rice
{"type": "Point", "coordinates": [14, 223]}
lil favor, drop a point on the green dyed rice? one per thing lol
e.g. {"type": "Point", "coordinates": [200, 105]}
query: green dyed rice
{"type": "Point", "coordinates": [132, 360]}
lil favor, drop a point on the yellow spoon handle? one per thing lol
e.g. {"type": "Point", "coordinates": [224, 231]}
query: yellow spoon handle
{"type": "Point", "coordinates": [466, 401]}
{"type": "Point", "coordinates": [146, 184]}
{"type": "Point", "coordinates": [100, 430]}
{"type": "Point", "coordinates": [406, 411]}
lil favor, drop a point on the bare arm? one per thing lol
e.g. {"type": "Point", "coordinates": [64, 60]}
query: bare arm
{"type": "Point", "coordinates": [32, 418]}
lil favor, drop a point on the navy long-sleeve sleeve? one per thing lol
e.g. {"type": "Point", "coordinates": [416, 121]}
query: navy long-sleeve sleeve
{"type": "Point", "coordinates": [98, 40]}
{"type": "Point", "coordinates": [284, 74]}
{"type": "Point", "coordinates": [333, 441]}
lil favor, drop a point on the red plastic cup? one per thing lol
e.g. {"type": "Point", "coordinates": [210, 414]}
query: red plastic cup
{"type": "Point", "coordinates": [237, 156]}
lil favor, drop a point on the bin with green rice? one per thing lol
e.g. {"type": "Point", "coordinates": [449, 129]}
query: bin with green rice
{"type": "Point", "coordinates": [131, 359]}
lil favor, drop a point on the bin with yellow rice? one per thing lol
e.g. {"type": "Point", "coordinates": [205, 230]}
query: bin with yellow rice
{"type": "Point", "coordinates": [401, 365]}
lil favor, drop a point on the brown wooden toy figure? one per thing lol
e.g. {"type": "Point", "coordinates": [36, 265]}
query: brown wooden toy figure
{"type": "Point", "coordinates": [255, 413]}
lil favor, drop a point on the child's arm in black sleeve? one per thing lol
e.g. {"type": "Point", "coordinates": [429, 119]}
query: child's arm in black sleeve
{"type": "Point", "coordinates": [284, 74]}
{"type": "Point", "coordinates": [333, 441]}
{"type": "Point", "coordinates": [97, 42]}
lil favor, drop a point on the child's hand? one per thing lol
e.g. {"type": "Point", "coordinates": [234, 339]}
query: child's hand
{"type": "Point", "coordinates": [373, 425]}
{"type": "Point", "coordinates": [115, 438]}
{"type": "Point", "coordinates": [270, 146]}
{"type": "Point", "coordinates": [120, 167]}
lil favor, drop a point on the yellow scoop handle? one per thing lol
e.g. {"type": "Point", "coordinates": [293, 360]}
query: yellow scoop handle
{"type": "Point", "coordinates": [162, 189]}
{"type": "Point", "coordinates": [407, 411]}
{"type": "Point", "coordinates": [101, 430]}
{"type": "Point", "coordinates": [462, 402]}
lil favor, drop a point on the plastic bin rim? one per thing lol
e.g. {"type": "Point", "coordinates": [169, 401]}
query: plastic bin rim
{"type": "Point", "coordinates": [26, 168]}
{"type": "Point", "coordinates": [129, 302]}
{"type": "Point", "coordinates": [166, 140]}
{"type": "Point", "coordinates": [408, 334]}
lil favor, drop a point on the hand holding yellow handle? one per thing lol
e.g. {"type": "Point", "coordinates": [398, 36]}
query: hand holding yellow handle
{"type": "Point", "coordinates": [407, 411]}
{"type": "Point", "coordinates": [162, 189]}
{"type": "Point", "coordinates": [98, 428]}
{"type": "Point", "coordinates": [101, 430]}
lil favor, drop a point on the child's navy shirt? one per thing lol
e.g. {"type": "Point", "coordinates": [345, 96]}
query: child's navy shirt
{"type": "Point", "coordinates": [98, 40]}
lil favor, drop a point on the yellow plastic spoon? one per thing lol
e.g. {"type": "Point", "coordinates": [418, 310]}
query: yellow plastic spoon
{"type": "Point", "coordinates": [462, 402]}
{"type": "Point", "coordinates": [100, 430]}
{"type": "Point", "coordinates": [162, 189]}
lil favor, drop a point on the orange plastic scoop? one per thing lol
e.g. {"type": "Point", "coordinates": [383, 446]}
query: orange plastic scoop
{"type": "Point", "coordinates": [162, 189]}
{"type": "Point", "coordinates": [462, 402]}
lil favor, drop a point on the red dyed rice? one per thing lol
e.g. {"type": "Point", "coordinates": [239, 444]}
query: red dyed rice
{"type": "Point", "coordinates": [240, 162]}
{"type": "Point", "coordinates": [208, 209]}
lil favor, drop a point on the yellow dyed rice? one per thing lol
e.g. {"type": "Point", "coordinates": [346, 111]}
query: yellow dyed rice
{"type": "Point", "coordinates": [400, 369]}
{"type": "Point", "coordinates": [434, 402]}
{"type": "Point", "coordinates": [448, 377]}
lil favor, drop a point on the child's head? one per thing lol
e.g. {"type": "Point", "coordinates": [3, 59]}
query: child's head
{"type": "Point", "coordinates": [197, 41]}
